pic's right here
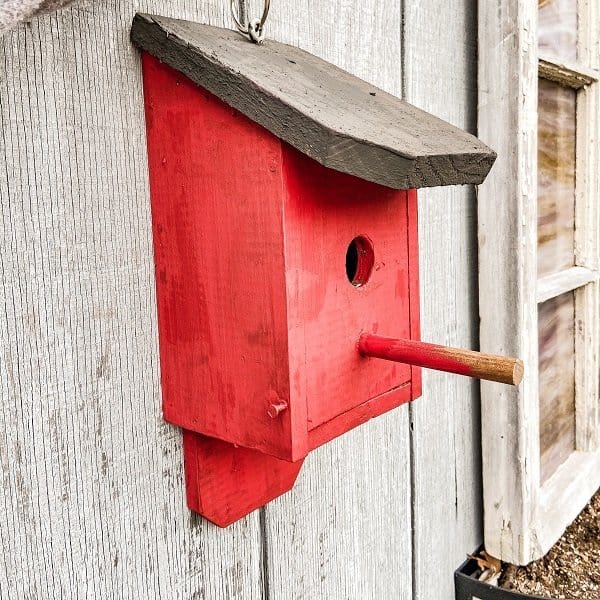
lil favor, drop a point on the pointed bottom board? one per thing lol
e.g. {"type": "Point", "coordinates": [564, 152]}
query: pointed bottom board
{"type": "Point", "coordinates": [225, 482]}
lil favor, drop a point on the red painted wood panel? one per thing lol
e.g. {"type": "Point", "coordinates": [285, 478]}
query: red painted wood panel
{"type": "Point", "coordinates": [216, 191]}
{"type": "Point", "coordinates": [413, 287]}
{"type": "Point", "coordinates": [359, 415]}
{"type": "Point", "coordinates": [224, 482]}
{"type": "Point", "coordinates": [324, 211]}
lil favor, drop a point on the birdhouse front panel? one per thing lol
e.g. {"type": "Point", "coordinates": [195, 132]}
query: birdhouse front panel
{"type": "Point", "coordinates": [348, 271]}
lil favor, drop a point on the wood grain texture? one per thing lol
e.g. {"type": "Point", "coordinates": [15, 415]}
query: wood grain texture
{"type": "Point", "coordinates": [522, 517]}
{"type": "Point", "coordinates": [573, 75]}
{"type": "Point", "coordinates": [324, 212]}
{"type": "Point", "coordinates": [565, 281]}
{"type": "Point", "coordinates": [13, 12]}
{"type": "Point", "coordinates": [332, 116]}
{"type": "Point", "coordinates": [344, 530]}
{"type": "Point", "coordinates": [216, 182]}
{"type": "Point", "coordinates": [93, 501]}
{"type": "Point", "coordinates": [92, 478]}
{"type": "Point", "coordinates": [445, 421]}
{"type": "Point", "coordinates": [565, 494]}
{"type": "Point", "coordinates": [587, 242]}
{"type": "Point", "coordinates": [510, 417]}
{"type": "Point", "coordinates": [225, 482]}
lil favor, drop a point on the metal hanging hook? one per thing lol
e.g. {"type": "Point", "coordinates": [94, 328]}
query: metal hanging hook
{"type": "Point", "coordinates": [254, 29]}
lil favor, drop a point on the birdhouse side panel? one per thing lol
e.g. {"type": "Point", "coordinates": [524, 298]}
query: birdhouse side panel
{"type": "Point", "coordinates": [216, 192]}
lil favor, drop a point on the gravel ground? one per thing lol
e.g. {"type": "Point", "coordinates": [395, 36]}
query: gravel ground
{"type": "Point", "coordinates": [571, 570]}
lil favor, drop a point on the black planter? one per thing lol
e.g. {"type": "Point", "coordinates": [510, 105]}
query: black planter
{"type": "Point", "coordinates": [467, 586]}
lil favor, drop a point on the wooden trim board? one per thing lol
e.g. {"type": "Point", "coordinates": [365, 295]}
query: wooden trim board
{"type": "Point", "coordinates": [573, 76]}
{"type": "Point", "coordinates": [563, 282]}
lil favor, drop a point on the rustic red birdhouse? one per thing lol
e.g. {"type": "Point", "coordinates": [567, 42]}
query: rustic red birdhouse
{"type": "Point", "coordinates": [285, 238]}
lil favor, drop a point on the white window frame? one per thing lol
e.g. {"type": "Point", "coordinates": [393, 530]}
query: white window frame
{"type": "Point", "coordinates": [522, 517]}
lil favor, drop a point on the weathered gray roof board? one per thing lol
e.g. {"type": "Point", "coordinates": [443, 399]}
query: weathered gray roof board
{"type": "Point", "coordinates": [332, 116]}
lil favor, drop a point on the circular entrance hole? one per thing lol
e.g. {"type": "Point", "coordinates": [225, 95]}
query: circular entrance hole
{"type": "Point", "coordinates": [359, 260]}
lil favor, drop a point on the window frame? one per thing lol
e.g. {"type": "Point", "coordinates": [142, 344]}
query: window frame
{"type": "Point", "coordinates": [522, 517]}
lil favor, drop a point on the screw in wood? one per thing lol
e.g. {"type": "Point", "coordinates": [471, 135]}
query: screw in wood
{"type": "Point", "coordinates": [276, 408]}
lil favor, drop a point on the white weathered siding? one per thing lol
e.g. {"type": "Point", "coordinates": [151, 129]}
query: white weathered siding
{"type": "Point", "coordinates": [92, 503]}
{"type": "Point", "coordinates": [345, 531]}
{"type": "Point", "coordinates": [441, 77]}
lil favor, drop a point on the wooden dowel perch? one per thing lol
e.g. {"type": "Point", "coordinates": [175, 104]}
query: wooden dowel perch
{"type": "Point", "coordinates": [442, 358]}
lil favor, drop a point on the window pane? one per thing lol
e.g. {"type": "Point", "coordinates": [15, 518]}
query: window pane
{"type": "Point", "coordinates": [556, 326]}
{"type": "Point", "coordinates": [557, 29]}
{"type": "Point", "coordinates": [556, 177]}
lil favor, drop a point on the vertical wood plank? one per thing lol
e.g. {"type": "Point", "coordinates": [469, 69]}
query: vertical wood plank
{"type": "Point", "coordinates": [507, 213]}
{"type": "Point", "coordinates": [445, 421]}
{"type": "Point", "coordinates": [93, 493]}
{"type": "Point", "coordinates": [344, 531]}
{"type": "Point", "coordinates": [587, 243]}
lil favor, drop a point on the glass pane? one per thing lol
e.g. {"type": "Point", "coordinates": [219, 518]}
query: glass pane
{"type": "Point", "coordinates": [556, 326]}
{"type": "Point", "coordinates": [557, 29]}
{"type": "Point", "coordinates": [556, 177]}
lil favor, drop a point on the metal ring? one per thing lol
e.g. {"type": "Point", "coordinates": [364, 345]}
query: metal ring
{"type": "Point", "coordinates": [265, 14]}
{"type": "Point", "coordinates": [244, 28]}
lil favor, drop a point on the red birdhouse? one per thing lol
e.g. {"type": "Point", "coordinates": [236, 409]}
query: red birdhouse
{"type": "Point", "coordinates": [285, 237]}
